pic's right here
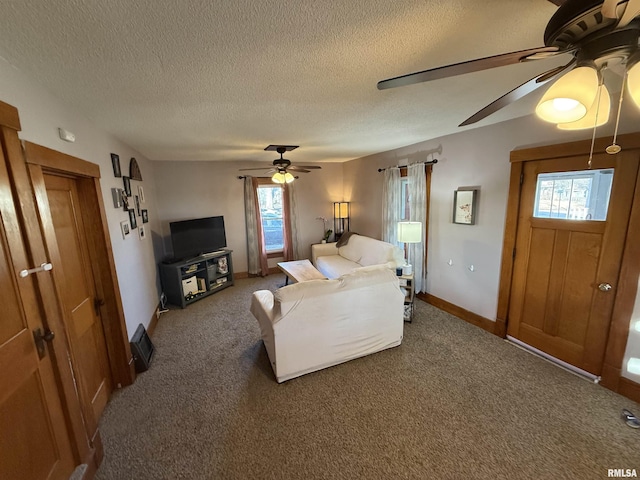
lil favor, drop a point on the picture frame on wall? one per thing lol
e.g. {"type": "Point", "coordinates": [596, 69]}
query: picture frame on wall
{"type": "Point", "coordinates": [132, 219]}
{"type": "Point", "coordinates": [137, 204]}
{"type": "Point", "coordinates": [125, 200]}
{"type": "Point", "coordinates": [116, 194]}
{"type": "Point", "coordinates": [145, 215]}
{"type": "Point", "coordinates": [142, 233]}
{"type": "Point", "coordinates": [124, 227]}
{"type": "Point", "coordinates": [141, 193]}
{"type": "Point", "coordinates": [126, 181]}
{"type": "Point", "coordinates": [115, 163]}
{"type": "Point", "coordinates": [465, 206]}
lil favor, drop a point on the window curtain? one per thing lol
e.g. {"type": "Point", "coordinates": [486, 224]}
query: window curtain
{"type": "Point", "coordinates": [256, 253]}
{"type": "Point", "coordinates": [290, 250]}
{"type": "Point", "coordinates": [391, 205]}
{"type": "Point", "coordinates": [417, 180]}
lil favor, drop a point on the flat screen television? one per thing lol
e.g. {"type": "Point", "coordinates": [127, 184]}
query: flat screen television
{"type": "Point", "coordinates": [191, 238]}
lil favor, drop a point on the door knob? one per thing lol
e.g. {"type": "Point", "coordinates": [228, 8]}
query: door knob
{"type": "Point", "coordinates": [605, 287]}
{"type": "Point", "coordinates": [39, 337]}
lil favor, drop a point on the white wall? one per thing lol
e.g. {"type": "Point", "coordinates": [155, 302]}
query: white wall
{"type": "Point", "coordinates": [202, 189]}
{"type": "Point", "coordinates": [40, 115]}
{"type": "Point", "coordinates": [480, 158]}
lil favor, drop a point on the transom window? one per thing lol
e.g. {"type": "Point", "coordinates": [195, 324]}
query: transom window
{"type": "Point", "coordinates": [271, 216]}
{"type": "Point", "coordinates": [580, 195]}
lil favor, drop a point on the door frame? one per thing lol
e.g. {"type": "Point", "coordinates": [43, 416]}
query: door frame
{"type": "Point", "coordinates": [41, 159]}
{"type": "Point", "coordinates": [627, 281]}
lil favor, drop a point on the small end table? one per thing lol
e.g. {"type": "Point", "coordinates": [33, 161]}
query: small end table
{"type": "Point", "coordinates": [407, 285]}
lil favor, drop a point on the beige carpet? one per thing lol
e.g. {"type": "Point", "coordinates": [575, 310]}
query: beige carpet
{"type": "Point", "coordinates": [452, 402]}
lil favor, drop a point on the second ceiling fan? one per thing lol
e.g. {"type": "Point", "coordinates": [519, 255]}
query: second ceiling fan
{"type": "Point", "coordinates": [282, 166]}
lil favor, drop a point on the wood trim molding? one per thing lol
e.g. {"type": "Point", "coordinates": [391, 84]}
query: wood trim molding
{"type": "Point", "coordinates": [54, 160]}
{"type": "Point", "coordinates": [470, 317]}
{"type": "Point", "coordinates": [581, 147]}
{"type": "Point", "coordinates": [509, 245]}
{"type": "Point", "coordinates": [626, 293]}
{"type": "Point", "coordinates": [153, 323]}
{"type": "Point", "coordinates": [9, 116]}
{"type": "Point", "coordinates": [629, 389]}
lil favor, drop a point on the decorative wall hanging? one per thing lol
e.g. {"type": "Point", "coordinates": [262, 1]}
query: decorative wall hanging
{"type": "Point", "coordinates": [116, 194]}
{"type": "Point", "coordinates": [132, 219]}
{"type": "Point", "coordinates": [145, 215]}
{"type": "Point", "coordinates": [137, 204]}
{"type": "Point", "coordinates": [464, 206]}
{"type": "Point", "coordinates": [124, 227]}
{"type": "Point", "coordinates": [126, 181]}
{"type": "Point", "coordinates": [142, 233]}
{"type": "Point", "coordinates": [115, 163]}
{"type": "Point", "coordinates": [134, 170]}
{"type": "Point", "coordinates": [141, 193]}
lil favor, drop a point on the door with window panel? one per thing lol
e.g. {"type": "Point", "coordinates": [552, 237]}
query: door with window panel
{"type": "Point", "coordinates": [572, 225]}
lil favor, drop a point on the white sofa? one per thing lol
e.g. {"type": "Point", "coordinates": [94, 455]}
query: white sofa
{"type": "Point", "coordinates": [312, 325]}
{"type": "Point", "coordinates": [359, 251]}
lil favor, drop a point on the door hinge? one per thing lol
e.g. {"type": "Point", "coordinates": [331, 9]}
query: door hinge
{"type": "Point", "coordinates": [521, 178]}
{"type": "Point", "coordinates": [513, 255]}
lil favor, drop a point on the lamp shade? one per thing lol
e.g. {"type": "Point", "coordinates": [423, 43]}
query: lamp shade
{"type": "Point", "coordinates": [633, 83]}
{"type": "Point", "coordinates": [570, 96]}
{"type": "Point", "coordinates": [410, 232]}
{"type": "Point", "coordinates": [341, 209]}
{"type": "Point", "coordinates": [600, 109]}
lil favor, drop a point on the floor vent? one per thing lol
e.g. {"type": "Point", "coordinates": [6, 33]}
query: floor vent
{"type": "Point", "coordinates": [142, 349]}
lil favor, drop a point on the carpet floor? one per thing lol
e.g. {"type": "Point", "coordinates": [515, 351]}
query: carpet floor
{"type": "Point", "coordinates": [451, 402]}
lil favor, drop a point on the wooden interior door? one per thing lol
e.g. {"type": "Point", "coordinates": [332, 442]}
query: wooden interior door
{"type": "Point", "coordinates": [78, 292]}
{"type": "Point", "coordinates": [565, 270]}
{"type": "Point", "coordinates": [34, 440]}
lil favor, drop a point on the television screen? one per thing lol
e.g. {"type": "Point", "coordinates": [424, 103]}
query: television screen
{"type": "Point", "coordinates": [191, 238]}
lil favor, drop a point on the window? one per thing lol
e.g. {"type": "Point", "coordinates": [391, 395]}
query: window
{"type": "Point", "coordinates": [271, 216]}
{"type": "Point", "coordinates": [580, 195]}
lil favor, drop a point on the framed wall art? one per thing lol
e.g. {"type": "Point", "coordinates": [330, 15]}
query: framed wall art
{"type": "Point", "coordinates": [142, 233]}
{"type": "Point", "coordinates": [126, 181]}
{"type": "Point", "coordinates": [124, 227]}
{"type": "Point", "coordinates": [132, 219]}
{"type": "Point", "coordinates": [115, 163]}
{"type": "Point", "coordinates": [145, 215]}
{"type": "Point", "coordinates": [465, 206]}
{"type": "Point", "coordinates": [116, 193]}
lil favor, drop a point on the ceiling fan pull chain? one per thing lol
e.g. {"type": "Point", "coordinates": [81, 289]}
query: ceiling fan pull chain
{"type": "Point", "coordinates": [595, 123]}
{"type": "Point", "coordinates": [614, 147]}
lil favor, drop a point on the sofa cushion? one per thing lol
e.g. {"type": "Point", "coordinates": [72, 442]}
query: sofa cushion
{"type": "Point", "coordinates": [333, 266]}
{"type": "Point", "coordinates": [367, 251]}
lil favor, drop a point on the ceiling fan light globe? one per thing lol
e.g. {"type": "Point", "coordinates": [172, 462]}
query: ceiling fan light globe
{"type": "Point", "coordinates": [278, 178]}
{"type": "Point", "coordinates": [602, 111]}
{"type": "Point", "coordinates": [633, 83]}
{"type": "Point", "coordinates": [288, 178]}
{"type": "Point", "coordinates": [570, 97]}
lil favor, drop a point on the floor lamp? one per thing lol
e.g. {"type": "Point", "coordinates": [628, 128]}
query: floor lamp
{"type": "Point", "coordinates": [409, 232]}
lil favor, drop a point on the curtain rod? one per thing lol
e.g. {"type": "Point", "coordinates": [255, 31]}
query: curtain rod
{"type": "Point", "coordinates": [428, 162]}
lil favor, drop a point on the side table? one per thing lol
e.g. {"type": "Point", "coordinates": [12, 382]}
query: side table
{"type": "Point", "coordinates": [407, 286]}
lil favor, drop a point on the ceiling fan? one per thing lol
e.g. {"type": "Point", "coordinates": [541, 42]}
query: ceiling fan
{"type": "Point", "coordinates": [281, 166]}
{"type": "Point", "coordinates": [599, 34]}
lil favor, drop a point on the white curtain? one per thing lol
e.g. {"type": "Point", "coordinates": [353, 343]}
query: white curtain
{"type": "Point", "coordinates": [391, 199]}
{"type": "Point", "coordinates": [251, 216]}
{"type": "Point", "coordinates": [417, 180]}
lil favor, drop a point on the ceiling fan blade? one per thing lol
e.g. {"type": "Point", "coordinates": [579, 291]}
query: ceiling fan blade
{"type": "Point", "coordinates": [298, 169]}
{"type": "Point", "coordinates": [309, 167]}
{"type": "Point", "coordinates": [609, 9]}
{"type": "Point", "coordinates": [631, 11]}
{"type": "Point", "coordinates": [266, 167]}
{"type": "Point", "coordinates": [515, 94]}
{"type": "Point", "coordinates": [464, 67]}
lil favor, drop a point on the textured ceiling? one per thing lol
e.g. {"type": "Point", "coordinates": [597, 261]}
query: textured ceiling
{"type": "Point", "coordinates": [220, 80]}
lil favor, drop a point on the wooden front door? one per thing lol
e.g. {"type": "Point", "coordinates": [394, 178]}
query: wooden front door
{"type": "Point", "coordinates": [78, 292]}
{"type": "Point", "coordinates": [34, 441]}
{"type": "Point", "coordinates": [568, 256]}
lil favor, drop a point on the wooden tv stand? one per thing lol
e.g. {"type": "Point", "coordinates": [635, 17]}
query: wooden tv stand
{"type": "Point", "coordinates": [204, 273]}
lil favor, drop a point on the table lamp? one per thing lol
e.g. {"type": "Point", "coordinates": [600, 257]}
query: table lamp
{"type": "Point", "coordinates": [409, 232]}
